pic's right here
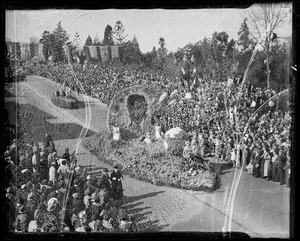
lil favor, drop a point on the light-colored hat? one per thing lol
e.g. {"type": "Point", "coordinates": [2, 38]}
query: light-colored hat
{"type": "Point", "coordinates": [22, 209]}
{"type": "Point", "coordinates": [82, 214]}
{"type": "Point", "coordinates": [77, 169]}
{"type": "Point", "coordinates": [52, 203]}
{"type": "Point", "coordinates": [75, 195]}
{"type": "Point", "coordinates": [89, 177]}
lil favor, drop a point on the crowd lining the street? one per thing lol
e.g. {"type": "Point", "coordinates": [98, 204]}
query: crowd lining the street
{"type": "Point", "coordinates": [39, 178]}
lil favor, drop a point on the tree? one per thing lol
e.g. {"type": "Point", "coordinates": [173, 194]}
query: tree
{"type": "Point", "coordinates": [48, 41]}
{"type": "Point", "coordinates": [60, 38]}
{"type": "Point", "coordinates": [223, 55]}
{"type": "Point", "coordinates": [108, 40]}
{"type": "Point", "coordinates": [149, 58]}
{"type": "Point", "coordinates": [245, 46]}
{"type": "Point", "coordinates": [264, 19]}
{"type": "Point", "coordinates": [118, 33]}
{"type": "Point", "coordinates": [89, 41]}
{"type": "Point", "coordinates": [130, 53]}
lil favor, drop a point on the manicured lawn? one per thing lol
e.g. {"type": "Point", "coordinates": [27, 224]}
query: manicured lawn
{"type": "Point", "coordinates": [34, 123]}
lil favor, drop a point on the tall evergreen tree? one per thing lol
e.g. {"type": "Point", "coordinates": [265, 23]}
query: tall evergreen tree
{"type": "Point", "coordinates": [245, 46]}
{"type": "Point", "coordinates": [89, 41]}
{"type": "Point", "coordinates": [48, 41]}
{"type": "Point", "coordinates": [108, 40]}
{"type": "Point", "coordinates": [60, 38]}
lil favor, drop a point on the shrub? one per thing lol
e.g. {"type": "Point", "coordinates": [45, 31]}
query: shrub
{"type": "Point", "coordinates": [68, 102]}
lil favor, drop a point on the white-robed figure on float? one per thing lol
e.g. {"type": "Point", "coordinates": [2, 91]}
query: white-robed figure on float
{"type": "Point", "coordinates": [116, 133]}
{"type": "Point", "coordinates": [158, 132]}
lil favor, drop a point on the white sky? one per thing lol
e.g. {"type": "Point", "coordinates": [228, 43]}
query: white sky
{"type": "Point", "coordinates": [177, 27]}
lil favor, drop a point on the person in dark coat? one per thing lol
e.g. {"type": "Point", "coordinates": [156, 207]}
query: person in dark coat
{"type": "Point", "coordinates": [287, 169]}
{"type": "Point", "coordinates": [116, 184]}
{"type": "Point", "coordinates": [256, 163]}
{"type": "Point", "coordinates": [42, 167]}
{"type": "Point", "coordinates": [21, 223]}
{"type": "Point", "coordinates": [280, 168]}
{"type": "Point", "coordinates": [67, 156]}
{"type": "Point", "coordinates": [47, 140]}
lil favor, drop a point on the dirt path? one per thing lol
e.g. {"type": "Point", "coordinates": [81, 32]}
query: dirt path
{"type": "Point", "coordinates": [261, 209]}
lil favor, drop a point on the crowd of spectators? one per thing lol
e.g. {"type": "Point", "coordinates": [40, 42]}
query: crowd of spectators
{"type": "Point", "coordinates": [46, 192]}
{"type": "Point", "coordinates": [211, 115]}
{"type": "Point", "coordinates": [218, 126]}
{"type": "Point", "coordinates": [102, 81]}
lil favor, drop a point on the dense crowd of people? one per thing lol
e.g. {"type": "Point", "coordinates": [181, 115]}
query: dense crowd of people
{"type": "Point", "coordinates": [47, 192]}
{"type": "Point", "coordinates": [40, 179]}
{"type": "Point", "coordinates": [211, 115]}
{"type": "Point", "coordinates": [102, 81]}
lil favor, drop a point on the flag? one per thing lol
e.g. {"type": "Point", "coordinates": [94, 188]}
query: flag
{"type": "Point", "coordinates": [33, 50]}
{"type": "Point", "coordinates": [25, 51]}
{"type": "Point", "coordinates": [93, 51]}
{"type": "Point", "coordinates": [40, 51]}
{"type": "Point", "coordinates": [104, 53]}
{"type": "Point", "coordinates": [16, 51]}
{"type": "Point", "coordinates": [114, 52]}
{"type": "Point", "coordinates": [9, 46]}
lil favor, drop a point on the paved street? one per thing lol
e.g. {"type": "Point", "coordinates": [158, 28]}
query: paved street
{"type": "Point", "coordinates": [260, 208]}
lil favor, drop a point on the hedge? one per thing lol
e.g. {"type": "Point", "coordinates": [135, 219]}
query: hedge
{"type": "Point", "coordinates": [69, 102]}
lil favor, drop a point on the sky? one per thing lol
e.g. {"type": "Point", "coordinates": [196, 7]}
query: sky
{"type": "Point", "coordinates": [177, 27]}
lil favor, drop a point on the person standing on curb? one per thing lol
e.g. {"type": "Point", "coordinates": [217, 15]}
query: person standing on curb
{"type": "Point", "coordinates": [116, 184]}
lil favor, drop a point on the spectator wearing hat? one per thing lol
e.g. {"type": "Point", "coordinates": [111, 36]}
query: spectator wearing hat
{"type": "Point", "coordinates": [67, 156]}
{"type": "Point", "coordinates": [52, 173]}
{"type": "Point", "coordinates": [52, 157]}
{"type": "Point", "coordinates": [63, 169]}
{"type": "Point", "coordinates": [281, 164]}
{"type": "Point", "coordinates": [42, 167]}
{"type": "Point", "coordinates": [47, 140]}
{"type": "Point", "coordinates": [233, 157]}
{"type": "Point", "coordinates": [21, 223]}
{"type": "Point", "coordinates": [274, 161]}
{"type": "Point", "coordinates": [35, 160]}
{"type": "Point", "coordinates": [87, 197]}
{"type": "Point", "coordinates": [51, 147]}
{"type": "Point", "coordinates": [33, 226]}
{"type": "Point", "coordinates": [10, 207]}
{"type": "Point", "coordinates": [90, 183]}
{"type": "Point", "coordinates": [76, 202]}
{"type": "Point", "coordinates": [116, 184]}
{"type": "Point", "coordinates": [287, 168]}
